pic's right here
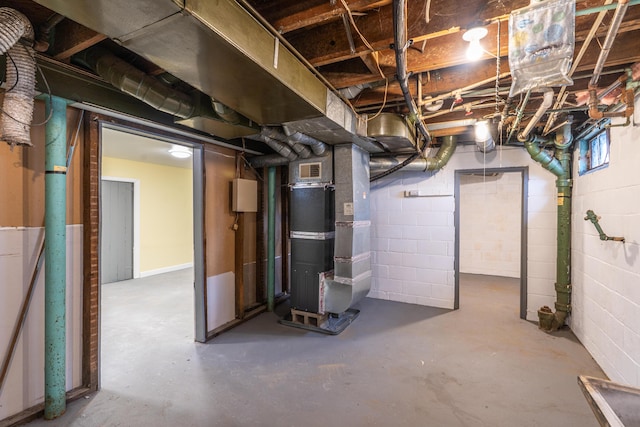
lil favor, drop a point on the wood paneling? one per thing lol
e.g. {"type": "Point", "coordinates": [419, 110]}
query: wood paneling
{"type": "Point", "coordinates": [22, 176]}
{"type": "Point", "coordinates": [220, 168]}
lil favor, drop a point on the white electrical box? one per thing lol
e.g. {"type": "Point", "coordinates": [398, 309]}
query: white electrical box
{"type": "Point", "coordinates": [244, 196]}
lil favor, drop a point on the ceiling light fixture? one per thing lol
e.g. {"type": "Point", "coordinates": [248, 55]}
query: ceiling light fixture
{"type": "Point", "coordinates": [180, 152]}
{"type": "Point", "coordinates": [482, 131]}
{"type": "Point", "coordinates": [473, 36]}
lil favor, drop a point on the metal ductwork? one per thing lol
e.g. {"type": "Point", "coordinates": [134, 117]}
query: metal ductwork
{"type": "Point", "coordinates": [136, 83]}
{"type": "Point", "coordinates": [352, 254]}
{"type": "Point", "coordinates": [220, 49]}
{"type": "Point", "coordinates": [17, 107]}
{"type": "Point", "coordinates": [227, 114]}
{"type": "Point", "coordinates": [484, 136]}
{"type": "Point", "coordinates": [301, 150]}
{"type": "Point", "coordinates": [268, 160]}
{"type": "Point", "coordinates": [279, 147]}
{"type": "Point", "coordinates": [318, 147]}
{"type": "Point", "coordinates": [393, 132]}
{"type": "Point", "coordinates": [434, 163]}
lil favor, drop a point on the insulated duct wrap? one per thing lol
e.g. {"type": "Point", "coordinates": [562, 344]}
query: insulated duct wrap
{"type": "Point", "coordinates": [352, 259]}
{"type": "Point", "coordinates": [17, 107]}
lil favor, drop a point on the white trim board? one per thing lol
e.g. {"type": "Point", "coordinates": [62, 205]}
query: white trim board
{"type": "Point", "coordinates": [166, 269]}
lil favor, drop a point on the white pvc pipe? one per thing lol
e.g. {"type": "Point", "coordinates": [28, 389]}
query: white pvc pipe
{"type": "Point", "coordinates": [547, 101]}
{"type": "Point", "coordinates": [608, 42]}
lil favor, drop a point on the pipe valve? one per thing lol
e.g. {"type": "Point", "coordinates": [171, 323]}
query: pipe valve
{"type": "Point", "coordinates": [591, 216]}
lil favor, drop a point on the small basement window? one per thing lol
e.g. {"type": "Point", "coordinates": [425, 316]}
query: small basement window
{"type": "Point", "coordinates": [594, 151]}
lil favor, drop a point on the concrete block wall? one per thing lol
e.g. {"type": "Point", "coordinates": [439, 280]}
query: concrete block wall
{"type": "Point", "coordinates": [490, 224]}
{"type": "Point", "coordinates": [606, 274]}
{"type": "Point", "coordinates": [413, 238]}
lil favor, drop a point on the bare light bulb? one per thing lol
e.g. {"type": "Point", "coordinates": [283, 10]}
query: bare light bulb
{"type": "Point", "coordinates": [474, 51]}
{"type": "Point", "coordinates": [473, 36]}
{"type": "Point", "coordinates": [482, 131]}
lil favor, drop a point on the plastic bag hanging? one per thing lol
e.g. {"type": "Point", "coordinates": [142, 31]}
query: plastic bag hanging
{"type": "Point", "coordinates": [541, 44]}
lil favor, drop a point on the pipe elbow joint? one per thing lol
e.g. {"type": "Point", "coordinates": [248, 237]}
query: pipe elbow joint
{"type": "Point", "coordinates": [523, 138]}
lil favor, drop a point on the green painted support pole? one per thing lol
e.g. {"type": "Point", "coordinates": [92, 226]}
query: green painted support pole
{"type": "Point", "coordinates": [271, 239]}
{"type": "Point", "coordinates": [55, 257]}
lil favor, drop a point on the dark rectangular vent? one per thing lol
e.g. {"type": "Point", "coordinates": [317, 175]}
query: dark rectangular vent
{"type": "Point", "coordinates": [310, 170]}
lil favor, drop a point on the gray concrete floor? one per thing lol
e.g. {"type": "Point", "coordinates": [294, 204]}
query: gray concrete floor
{"type": "Point", "coordinates": [396, 365]}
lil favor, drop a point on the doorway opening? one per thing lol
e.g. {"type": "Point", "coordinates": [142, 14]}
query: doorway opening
{"type": "Point", "coordinates": [151, 241]}
{"type": "Point", "coordinates": [491, 232]}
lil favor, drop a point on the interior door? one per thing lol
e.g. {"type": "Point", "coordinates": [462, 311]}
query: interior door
{"type": "Point", "coordinates": [117, 231]}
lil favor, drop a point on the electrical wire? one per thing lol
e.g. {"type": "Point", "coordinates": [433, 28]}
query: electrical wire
{"type": "Point", "coordinates": [17, 73]}
{"type": "Point", "coordinates": [73, 144]}
{"type": "Point", "coordinates": [46, 84]}
{"type": "Point", "coordinates": [362, 37]}
{"type": "Point", "coordinates": [384, 100]}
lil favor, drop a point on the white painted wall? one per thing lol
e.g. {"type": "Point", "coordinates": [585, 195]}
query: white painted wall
{"type": "Point", "coordinates": [606, 275]}
{"type": "Point", "coordinates": [413, 238]}
{"type": "Point", "coordinates": [24, 386]}
{"type": "Point", "coordinates": [490, 217]}
{"type": "Point", "coordinates": [221, 299]}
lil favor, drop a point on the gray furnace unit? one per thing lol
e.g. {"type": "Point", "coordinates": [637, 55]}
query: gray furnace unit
{"type": "Point", "coordinates": [329, 271]}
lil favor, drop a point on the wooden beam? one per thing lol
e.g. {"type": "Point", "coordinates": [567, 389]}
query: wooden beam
{"type": "Point", "coordinates": [323, 13]}
{"type": "Point", "coordinates": [370, 59]}
{"type": "Point", "coordinates": [76, 38]}
{"type": "Point", "coordinates": [448, 51]}
{"type": "Point", "coordinates": [446, 80]}
{"type": "Point", "coordinates": [437, 82]}
{"type": "Point", "coordinates": [328, 44]}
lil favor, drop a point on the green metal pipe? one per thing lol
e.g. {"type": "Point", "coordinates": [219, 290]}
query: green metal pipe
{"type": "Point", "coordinates": [560, 166]}
{"type": "Point", "coordinates": [604, 8]}
{"type": "Point", "coordinates": [563, 260]}
{"type": "Point", "coordinates": [271, 238]}
{"type": "Point", "coordinates": [55, 257]}
{"type": "Point", "coordinates": [541, 156]}
{"type": "Point", "coordinates": [443, 155]}
{"type": "Point", "coordinates": [548, 320]}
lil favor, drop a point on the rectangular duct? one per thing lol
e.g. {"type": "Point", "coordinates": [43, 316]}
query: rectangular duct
{"type": "Point", "coordinates": [217, 47]}
{"type": "Point", "coordinates": [352, 255]}
{"type": "Point", "coordinates": [221, 50]}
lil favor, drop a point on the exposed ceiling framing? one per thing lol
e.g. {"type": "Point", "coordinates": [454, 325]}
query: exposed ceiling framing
{"type": "Point", "coordinates": [349, 42]}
